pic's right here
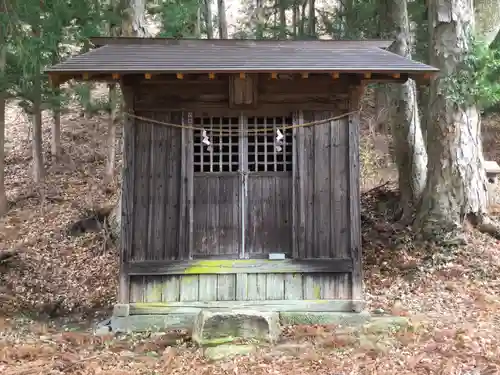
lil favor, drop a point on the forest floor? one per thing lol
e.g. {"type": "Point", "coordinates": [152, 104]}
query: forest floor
{"type": "Point", "coordinates": [57, 285]}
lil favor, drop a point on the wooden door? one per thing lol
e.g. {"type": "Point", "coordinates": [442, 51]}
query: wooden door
{"type": "Point", "coordinates": [242, 187]}
{"type": "Point", "coordinates": [217, 206]}
{"type": "Point", "coordinates": [268, 203]}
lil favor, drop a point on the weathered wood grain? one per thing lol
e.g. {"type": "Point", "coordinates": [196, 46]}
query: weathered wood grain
{"type": "Point", "coordinates": [238, 266]}
{"type": "Point", "coordinates": [276, 305]}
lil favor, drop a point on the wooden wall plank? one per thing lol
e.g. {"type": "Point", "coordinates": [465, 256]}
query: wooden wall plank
{"type": "Point", "coordinates": [208, 287]}
{"type": "Point", "coordinates": [189, 288]}
{"type": "Point", "coordinates": [171, 288]}
{"type": "Point", "coordinates": [141, 188]}
{"type": "Point", "coordinates": [293, 287]}
{"type": "Point", "coordinates": [256, 287]}
{"type": "Point", "coordinates": [226, 287]}
{"type": "Point", "coordinates": [275, 287]}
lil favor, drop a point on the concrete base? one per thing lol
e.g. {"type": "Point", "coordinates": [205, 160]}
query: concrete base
{"type": "Point", "coordinates": [159, 323]}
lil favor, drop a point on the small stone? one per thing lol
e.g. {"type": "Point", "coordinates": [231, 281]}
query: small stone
{"type": "Point", "coordinates": [216, 353]}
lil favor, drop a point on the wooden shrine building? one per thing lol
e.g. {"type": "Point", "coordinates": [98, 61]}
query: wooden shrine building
{"type": "Point", "coordinates": [240, 184]}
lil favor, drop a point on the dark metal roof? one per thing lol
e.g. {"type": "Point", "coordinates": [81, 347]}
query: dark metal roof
{"type": "Point", "coordinates": [140, 55]}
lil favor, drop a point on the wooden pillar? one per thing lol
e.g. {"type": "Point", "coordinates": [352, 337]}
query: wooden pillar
{"type": "Point", "coordinates": [186, 191]}
{"type": "Point", "coordinates": [355, 199]}
{"type": "Point", "coordinates": [127, 193]}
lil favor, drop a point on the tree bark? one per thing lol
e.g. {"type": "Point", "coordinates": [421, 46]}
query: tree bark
{"type": "Point", "coordinates": [111, 137]}
{"type": "Point", "coordinates": [487, 19]}
{"type": "Point", "coordinates": [409, 148]}
{"type": "Point", "coordinates": [38, 165]}
{"type": "Point", "coordinates": [456, 185]}
{"type": "Point", "coordinates": [207, 14]}
{"type": "Point", "coordinates": [312, 18]}
{"type": "Point", "coordinates": [55, 142]}
{"type": "Point", "coordinates": [3, 100]}
{"type": "Point", "coordinates": [282, 28]}
{"type": "Point", "coordinates": [221, 5]}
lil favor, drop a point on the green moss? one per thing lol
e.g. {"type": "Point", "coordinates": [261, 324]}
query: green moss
{"type": "Point", "coordinates": [317, 291]}
{"type": "Point", "coordinates": [218, 341]}
{"type": "Point", "coordinates": [216, 266]}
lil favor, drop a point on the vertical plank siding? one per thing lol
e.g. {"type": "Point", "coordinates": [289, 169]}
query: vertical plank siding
{"type": "Point", "coordinates": [255, 287]}
{"type": "Point", "coordinates": [321, 188]}
{"type": "Point", "coordinates": [151, 212]}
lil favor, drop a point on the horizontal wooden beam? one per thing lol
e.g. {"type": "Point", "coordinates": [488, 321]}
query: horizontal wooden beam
{"type": "Point", "coordinates": [204, 267]}
{"type": "Point", "coordinates": [276, 305]}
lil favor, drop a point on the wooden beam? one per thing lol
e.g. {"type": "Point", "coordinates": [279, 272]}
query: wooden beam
{"type": "Point", "coordinates": [203, 267]}
{"type": "Point", "coordinates": [274, 305]}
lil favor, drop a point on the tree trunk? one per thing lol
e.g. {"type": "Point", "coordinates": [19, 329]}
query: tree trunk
{"type": "Point", "coordinates": [111, 139]}
{"type": "Point", "coordinates": [487, 19]}
{"type": "Point", "coordinates": [55, 142]}
{"type": "Point", "coordinates": [312, 18]}
{"type": "Point", "coordinates": [409, 147]}
{"type": "Point", "coordinates": [282, 7]}
{"type": "Point", "coordinates": [38, 166]}
{"type": "Point", "coordinates": [207, 14]}
{"type": "Point", "coordinates": [3, 99]}
{"type": "Point", "coordinates": [259, 18]}
{"type": "Point", "coordinates": [221, 5]}
{"type": "Point", "coordinates": [197, 29]}
{"type": "Point", "coordinates": [295, 18]}
{"type": "Point", "coordinates": [456, 184]}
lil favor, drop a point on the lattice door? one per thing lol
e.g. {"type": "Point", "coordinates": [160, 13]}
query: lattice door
{"type": "Point", "coordinates": [242, 186]}
{"type": "Point", "coordinates": [268, 226]}
{"type": "Point", "coordinates": [217, 201]}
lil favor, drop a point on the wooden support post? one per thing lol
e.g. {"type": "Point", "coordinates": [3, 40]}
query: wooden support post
{"type": "Point", "coordinates": [127, 195]}
{"type": "Point", "coordinates": [355, 201]}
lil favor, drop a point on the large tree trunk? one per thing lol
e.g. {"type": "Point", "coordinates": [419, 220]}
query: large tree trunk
{"type": "Point", "coordinates": [221, 5]}
{"type": "Point", "coordinates": [456, 185]}
{"type": "Point", "coordinates": [409, 147]}
{"type": "Point", "coordinates": [3, 97]}
{"type": "Point", "coordinates": [487, 18]}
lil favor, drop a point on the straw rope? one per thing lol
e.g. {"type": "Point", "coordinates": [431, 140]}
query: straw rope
{"type": "Point", "coordinates": [237, 131]}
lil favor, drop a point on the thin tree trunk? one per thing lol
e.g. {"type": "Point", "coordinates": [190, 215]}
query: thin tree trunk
{"type": "Point", "coordinates": [302, 24]}
{"type": "Point", "coordinates": [282, 6]}
{"type": "Point", "coordinates": [111, 138]}
{"type": "Point", "coordinates": [38, 165]}
{"type": "Point", "coordinates": [295, 19]}
{"type": "Point", "coordinates": [456, 185]}
{"type": "Point", "coordinates": [55, 141]}
{"type": "Point", "coordinates": [312, 18]}
{"type": "Point", "coordinates": [207, 14]}
{"type": "Point", "coordinates": [3, 99]}
{"type": "Point", "coordinates": [221, 5]}
{"type": "Point", "coordinates": [259, 19]}
{"type": "Point", "coordinates": [409, 147]}
{"type": "Point", "coordinates": [197, 30]}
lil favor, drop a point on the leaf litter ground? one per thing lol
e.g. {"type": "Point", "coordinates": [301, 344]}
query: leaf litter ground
{"type": "Point", "coordinates": [57, 285]}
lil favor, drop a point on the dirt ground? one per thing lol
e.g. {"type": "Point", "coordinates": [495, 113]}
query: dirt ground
{"type": "Point", "coordinates": [58, 285]}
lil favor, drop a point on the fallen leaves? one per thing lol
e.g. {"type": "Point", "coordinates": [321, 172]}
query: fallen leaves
{"type": "Point", "coordinates": [451, 300]}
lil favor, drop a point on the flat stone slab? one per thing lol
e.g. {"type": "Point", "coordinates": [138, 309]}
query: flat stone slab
{"type": "Point", "coordinates": [216, 353]}
{"type": "Point", "coordinates": [215, 327]}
